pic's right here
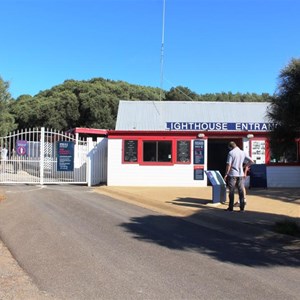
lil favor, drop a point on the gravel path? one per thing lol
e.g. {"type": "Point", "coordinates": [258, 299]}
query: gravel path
{"type": "Point", "coordinates": [14, 282]}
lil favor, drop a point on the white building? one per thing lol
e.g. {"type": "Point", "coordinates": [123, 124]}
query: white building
{"type": "Point", "coordinates": [173, 143]}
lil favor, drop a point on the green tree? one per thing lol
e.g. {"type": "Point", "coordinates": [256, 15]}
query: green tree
{"type": "Point", "coordinates": [7, 122]}
{"type": "Point", "coordinates": [181, 93]}
{"type": "Point", "coordinates": [23, 109]}
{"type": "Point", "coordinates": [285, 111]}
{"type": "Point", "coordinates": [94, 103]}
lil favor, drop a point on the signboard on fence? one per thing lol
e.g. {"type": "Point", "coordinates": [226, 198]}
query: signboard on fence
{"type": "Point", "coordinates": [65, 156]}
{"type": "Point", "coordinates": [21, 147]}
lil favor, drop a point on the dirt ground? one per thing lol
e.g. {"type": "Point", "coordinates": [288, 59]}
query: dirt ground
{"type": "Point", "coordinates": [14, 282]}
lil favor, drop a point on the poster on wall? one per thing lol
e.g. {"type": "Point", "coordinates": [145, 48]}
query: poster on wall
{"type": "Point", "coordinates": [130, 150]}
{"type": "Point", "coordinates": [65, 156]}
{"type": "Point", "coordinates": [198, 172]}
{"type": "Point", "coordinates": [199, 152]}
{"type": "Point", "coordinates": [258, 151]}
{"type": "Point", "coordinates": [183, 151]}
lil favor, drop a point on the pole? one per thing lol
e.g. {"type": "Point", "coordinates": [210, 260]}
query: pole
{"type": "Point", "coordinates": [162, 50]}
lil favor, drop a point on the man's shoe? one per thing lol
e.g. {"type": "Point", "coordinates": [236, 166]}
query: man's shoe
{"type": "Point", "coordinates": [236, 204]}
{"type": "Point", "coordinates": [229, 209]}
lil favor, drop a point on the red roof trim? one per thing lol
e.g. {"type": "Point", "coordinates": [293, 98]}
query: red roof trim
{"type": "Point", "coordinates": [225, 134]}
{"type": "Point", "coordinates": [89, 131]}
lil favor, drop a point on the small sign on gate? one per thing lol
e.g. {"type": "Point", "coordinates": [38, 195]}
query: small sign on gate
{"type": "Point", "coordinates": [65, 156]}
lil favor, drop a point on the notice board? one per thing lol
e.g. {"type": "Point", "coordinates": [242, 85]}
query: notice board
{"type": "Point", "coordinates": [198, 172]}
{"type": "Point", "coordinates": [183, 151]}
{"type": "Point", "coordinates": [199, 152]}
{"type": "Point", "coordinates": [21, 147]}
{"type": "Point", "coordinates": [130, 150]}
{"type": "Point", "coordinates": [65, 156]}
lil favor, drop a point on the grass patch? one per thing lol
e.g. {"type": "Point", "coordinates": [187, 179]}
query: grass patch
{"type": "Point", "coordinates": [287, 227]}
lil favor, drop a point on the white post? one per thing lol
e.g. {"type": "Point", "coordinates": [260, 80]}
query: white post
{"type": "Point", "coordinates": [89, 167]}
{"type": "Point", "coordinates": [42, 154]}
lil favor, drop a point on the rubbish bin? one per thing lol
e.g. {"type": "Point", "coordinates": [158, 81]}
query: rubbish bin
{"type": "Point", "coordinates": [218, 185]}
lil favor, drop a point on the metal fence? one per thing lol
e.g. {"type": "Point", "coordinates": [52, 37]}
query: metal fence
{"type": "Point", "coordinates": [31, 156]}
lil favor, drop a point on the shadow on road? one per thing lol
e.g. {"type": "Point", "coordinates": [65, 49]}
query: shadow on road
{"type": "Point", "coordinates": [240, 242]}
{"type": "Point", "coordinates": [283, 194]}
{"type": "Point", "coordinates": [190, 202]}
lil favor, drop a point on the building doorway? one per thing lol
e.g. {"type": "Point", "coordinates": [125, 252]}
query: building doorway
{"type": "Point", "coordinates": [217, 153]}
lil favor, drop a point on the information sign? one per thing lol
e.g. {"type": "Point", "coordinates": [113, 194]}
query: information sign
{"type": "Point", "coordinates": [183, 151]}
{"type": "Point", "coordinates": [199, 152]}
{"type": "Point", "coordinates": [65, 156]}
{"type": "Point", "coordinates": [258, 151]}
{"type": "Point", "coordinates": [198, 172]}
{"type": "Point", "coordinates": [218, 184]}
{"type": "Point", "coordinates": [130, 150]}
{"type": "Point", "coordinates": [212, 178]}
{"type": "Point", "coordinates": [21, 147]}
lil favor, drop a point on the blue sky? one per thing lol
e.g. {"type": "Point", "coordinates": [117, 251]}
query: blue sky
{"type": "Point", "coordinates": [210, 46]}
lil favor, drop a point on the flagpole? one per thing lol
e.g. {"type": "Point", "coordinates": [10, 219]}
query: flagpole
{"type": "Point", "coordinates": [162, 50]}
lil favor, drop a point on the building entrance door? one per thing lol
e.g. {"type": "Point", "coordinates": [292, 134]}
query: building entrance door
{"type": "Point", "coordinates": [217, 153]}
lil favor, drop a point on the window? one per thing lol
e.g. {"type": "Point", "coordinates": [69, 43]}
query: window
{"type": "Point", "coordinates": [157, 151]}
{"type": "Point", "coordinates": [290, 155]}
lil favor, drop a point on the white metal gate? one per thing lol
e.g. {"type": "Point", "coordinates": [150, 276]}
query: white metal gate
{"type": "Point", "coordinates": [30, 156]}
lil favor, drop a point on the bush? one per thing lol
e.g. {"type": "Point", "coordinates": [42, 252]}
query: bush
{"type": "Point", "coordinates": [287, 227]}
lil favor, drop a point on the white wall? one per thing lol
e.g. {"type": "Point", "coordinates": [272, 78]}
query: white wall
{"type": "Point", "coordinates": [119, 174]}
{"type": "Point", "coordinates": [138, 175]}
{"type": "Point", "coordinates": [98, 161]}
{"type": "Point", "coordinates": [246, 146]}
{"type": "Point", "coordinates": [283, 176]}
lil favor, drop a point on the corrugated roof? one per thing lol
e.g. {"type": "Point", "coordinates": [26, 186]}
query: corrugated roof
{"type": "Point", "coordinates": [153, 115]}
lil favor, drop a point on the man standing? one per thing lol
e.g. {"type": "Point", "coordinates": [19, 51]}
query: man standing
{"type": "Point", "coordinates": [234, 174]}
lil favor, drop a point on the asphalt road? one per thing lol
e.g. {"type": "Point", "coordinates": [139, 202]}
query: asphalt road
{"type": "Point", "coordinates": [77, 244]}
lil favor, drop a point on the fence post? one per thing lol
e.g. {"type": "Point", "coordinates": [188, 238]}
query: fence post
{"type": "Point", "coordinates": [89, 168]}
{"type": "Point", "coordinates": [42, 150]}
